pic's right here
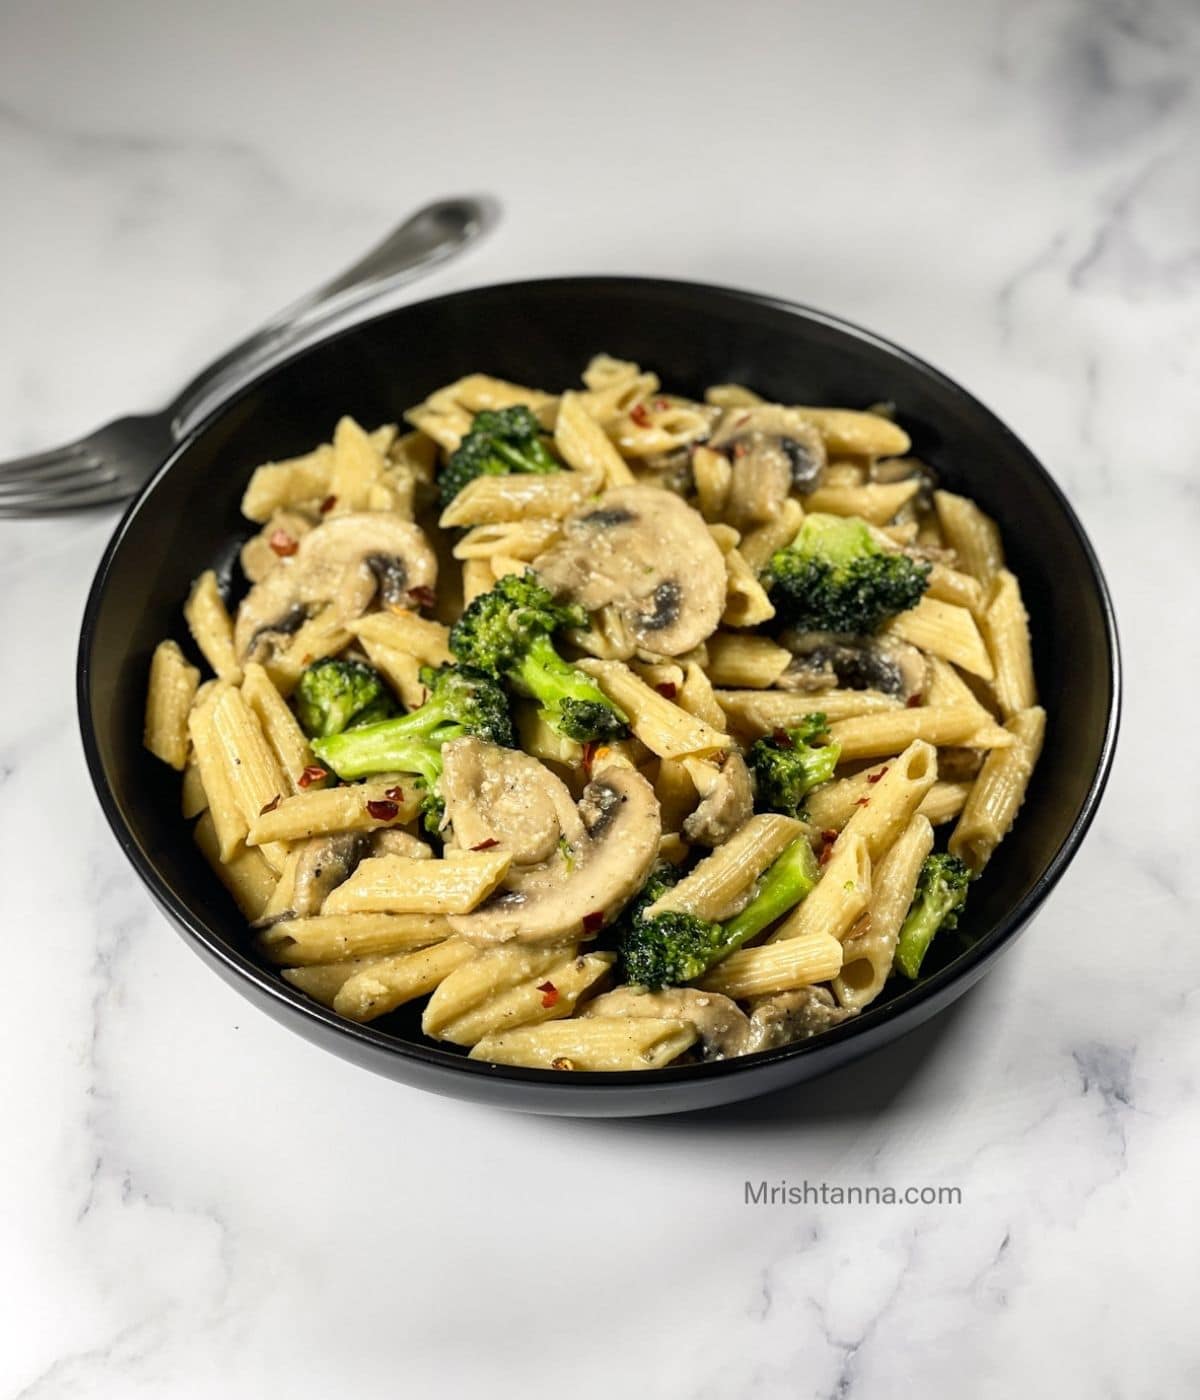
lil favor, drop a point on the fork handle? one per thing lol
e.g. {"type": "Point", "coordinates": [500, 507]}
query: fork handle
{"type": "Point", "coordinates": [432, 235]}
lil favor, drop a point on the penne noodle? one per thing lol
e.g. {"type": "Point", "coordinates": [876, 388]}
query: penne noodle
{"type": "Point", "coordinates": [428, 642]}
{"type": "Point", "coordinates": [1006, 628]}
{"type": "Point", "coordinates": [882, 814]}
{"type": "Point", "coordinates": [401, 670]}
{"type": "Point", "coordinates": [945, 630]}
{"type": "Point", "coordinates": [713, 475]}
{"type": "Point", "coordinates": [878, 735]}
{"type": "Point", "coordinates": [229, 822]}
{"type": "Point", "coordinates": [209, 622]}
{"type": "Point", "coordinates": [403, 885]}
{"type": "Point", "coordinates": [322, 635]}
{"type": "Point", "coordinates": [869, 948]}
{"type": "Point", "coordinates": [972, 535]}
{"type": "Point", "coordinates": [776, 967]}
{"type": "Point", "coordinates": [372, 805]}
{"type": "Point", "coordinates": [277, 485]}
{"type": "Point", "coordinates": [837, 899]}
{"type": "Point", "coordinates": [857, 434]}
{"type": "Point", "coordinates": [757, 546]}
{"type": "Point", "coordinates": [659, 723]}
{"type": "Point", "coordinates": [999, 790]}
{"type": "Point", "coordinates": [522, 539]}
{"type": "Point", "coordinates": [287, 740]}
{"type": "Point", "coordinates": [245, 874]}
{"type": "Point", "coordinates": [169, 695]}
{"type": "Point", "coordinates": [494, 500]}
{"type": "Point", "coordinates": [724, 882]}
{"type": "Point", "coordinates": [606, 1043]}
{"type": "Point", "coordinates": [755, 662]}
{"type": "Point", "coordinates": [584, 445]}
{"type": "Point", "coordinates": [746, 601]}
{"type": "Point", "coordinates": [754, 712]}
{"type": "Point", "coordinates": [386, 983]}
{"type": "Point", "coordinates": [876, 503]}
{"type": "Point", "coordinates": [333, 937]}
{"type": "Point", "coordinates": [358, 465]}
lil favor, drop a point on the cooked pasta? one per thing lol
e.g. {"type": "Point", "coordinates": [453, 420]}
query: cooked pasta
{"type": "Point", "coordinates": [656, 770]}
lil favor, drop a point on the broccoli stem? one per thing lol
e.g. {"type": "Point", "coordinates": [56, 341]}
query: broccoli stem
{"type": "Point", "coordinates": [393, 746]}
{"type": "Point", "coordinates": [784, 885]}
{"type": "Point", "coordinates": [551, 680]}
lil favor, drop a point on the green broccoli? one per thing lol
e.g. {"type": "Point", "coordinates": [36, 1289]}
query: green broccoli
{"type": "Point", "coordinates": [500, 441]}
{"type": "Point", "coordinates": [460, 701]}
{"type": "Point", "coordinates": [333, 695]}
{"type": "Point", "coordinates": [835, 577]}
{"type": "Point", "coordinates": [940, 894]}
{"type": "Point", "coordinates": [670, 948]}
{"type": "Point", "coordinates": [507, 633]}
{"type": "Point", "coordinates": [787, 765]}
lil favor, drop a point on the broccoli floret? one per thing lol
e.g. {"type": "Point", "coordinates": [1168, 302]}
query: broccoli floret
{"type": "Point", "coordinates": [788, 765]}
{"type": "Point", "coordinates": [669, 948]}
{"type": "Point", "coordinates": [834, 577]}
{"type": "Point", "coordinates": [460, 701]}
{"type": "Point", "coordinates": [333, 695]}
{"type": "Point", "coordinates": [500, 441]}
{"type": "Point", "coordinates": [940, 895]}
{"type": "Point", "coordinates": [507, 633]}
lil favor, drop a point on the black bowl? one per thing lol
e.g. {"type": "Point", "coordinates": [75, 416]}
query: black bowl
{"type": "Point", "coordinates": [542, 333]}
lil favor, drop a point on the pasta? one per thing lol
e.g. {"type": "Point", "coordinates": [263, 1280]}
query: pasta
{"type": "Point", "coordinates": [523, 718]}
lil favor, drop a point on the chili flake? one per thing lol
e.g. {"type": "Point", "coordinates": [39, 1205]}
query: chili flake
{"type": "Point", "coordinates": [383, 809]}
{"type": "Point", "coordinates": [486, 845]}
{"type": "Point", "coordinates": [639, 415]}
{"type": "Point", "coordinates": [328, 504]}
{"type": "Point", "coordinates": [270, 806]}
{"type": "Point", "coordinates": [423, 596]}
{"type": "Point", "coordinates": [395, 793]}
{"type": "Point", "coordinates": [593, 922]}
{"type": "Point", "coordinates": [314, 773]}
{"type": "Point", "coordinates": [667, 688]}
{"type": "Point", "coordinates": [282, 543]}
{"type": "Point", "coordinates": [549, 994]}
{"type": "Point", "coordinates": [914, 701]}
{"type": "Point", "coordinates": [875, 777]}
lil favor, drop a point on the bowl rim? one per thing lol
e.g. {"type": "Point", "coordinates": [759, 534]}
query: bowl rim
{"type": "Point", "coordinates": [907, 1006]}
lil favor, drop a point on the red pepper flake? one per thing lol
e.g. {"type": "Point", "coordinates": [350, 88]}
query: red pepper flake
{"type": "Point", "coordinates": [395, 793]}
{"type": "Point", "coordinates": [328, 504]}
{"type": "Point", "coordinates": [561, 1062]}
{"type": "Point", "coordinates": [282, 543]}
{"type": "Point", "coordinates": [314, 773]}
{"type": "Point", "coordinates": [270, 806]}
{"type": "Point", "coordinates": [639, 415]}
{"type": "Point", "coordinates": [782, 739]}
{"type": "Point", "coordinates": [661, 404]}
{"type": "Point", "coordinates": [862, 802]}
{"type": "Point", "coordinates": [423, 596]}
{"type": "Point", "coordinates": [914, 701]}
{"type": "Point", "coordinates": [829, 836]}
{"type": "Point", "coordinates": [826, 854]}
{"type": "Point", "coordinates": [667, 688]}
{"type": "Point", "coordinates": [589, 756]}
{"type": "Point", "coordinates": [383, 809]}
{"type": "Point", "coordinates": [549, 994]}
{"type": "Point", "coordinates": [486, 845]}
{"type": "Point", "coordinates": [593, 922]}
{"type": "Point", "coordinates": [875, 777]}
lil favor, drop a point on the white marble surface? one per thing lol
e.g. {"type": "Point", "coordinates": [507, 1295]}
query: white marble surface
{"type": "Point", "coordinates": [193, 1201]}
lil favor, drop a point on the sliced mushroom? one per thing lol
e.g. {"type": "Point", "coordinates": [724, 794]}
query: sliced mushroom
{"type": "Point", "coordinates": [789, 1016]}
{"type": "Point", "coordinates": [649, 556]}
{"type": "Point", "coordinates": [727, 800]}
{"type": "Point", "coordinates": [775, 453]}
{"type": "Point", "coordinates": [723, 1029]}
{"type": "Point", "coordinates": [326, 862]}
{"type": "Point", "coordinates": [503, 797]}
{"type": "Point", "coordinates": [823, 660]}
{"type": "Point", "coordinates": [347, 561]}
{"type": "Point", "coordinates": [576, 896]}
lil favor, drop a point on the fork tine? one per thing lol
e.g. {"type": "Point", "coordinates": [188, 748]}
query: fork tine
{"type": "Point", "coordinates": [63, 482]}
{"type": "Point", "coordinates": [70, 501]}
{"type": "Point", "coordinates": [49, 477]}
{"type": "Point", "coordinates": [33, 496]}
{"type": "Point", "coordinates": [37, 462]}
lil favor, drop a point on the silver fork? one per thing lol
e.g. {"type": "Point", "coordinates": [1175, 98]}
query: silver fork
{"type": "Point", "coordinates": [114, 461]}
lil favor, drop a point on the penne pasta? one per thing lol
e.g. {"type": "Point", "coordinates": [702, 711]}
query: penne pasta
{"type": "Point", "coordinates": [333, 937]}
{"type": "Point", "coordinates": [754, 662]}
{"type": "Point", "coordinates": [877, 735]}
{"type": "Point", "coordinates": [401, 630]}
{"type": "Point", "coordinates": [371, 805]}
{"type": "Point", "coordinates": [245, 874]}
{"type": "Point", "coordinates": [945, 630]}
{"type": "Point", "coordinates": [723, 883]}
{"type": "Point", "coordinates": [605, 1043]}
{"type": "Point", "coordinates": [209, 622]}
{"type": "Point", "coordinates": [837, 899]}
{"type": "Point", "coordinates": [494, 500]}
{"type": "Point", "coordinates": [999, 790]}
{"type": "Point", "coordinates": [880, 816]}
{"type": "Point", "coordinates": [386, 983]}
{"type": "Point", "coordinates": [754, 712]}
{"type": "Point", "coordinates": [857, 434]}
{"type": "Point", "coordinates": [169, 695]}
{"type": "Point", "coordinates": [585, 446]}
{"type": "Point", "coordinates": [659, 723]}
{"type": "Point", "coordinates": [776, 967]}
{"type": "Point", "coordinates": [876, 503]}
{"type": "Point", "coordinates": [287, 740]}
{"type": "Point", "coordinates": [403, 885]}
{"type": "Point", "coordinates": [1006, 627]}
{"type": "Point", "coordinates": [972, 535]}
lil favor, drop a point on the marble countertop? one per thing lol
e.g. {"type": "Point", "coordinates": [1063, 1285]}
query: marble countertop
{"type": "Point", "coordinates": [193, 1201]}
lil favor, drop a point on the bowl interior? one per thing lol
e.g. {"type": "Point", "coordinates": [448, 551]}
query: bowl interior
{"type": "Point", "coordinates": [543, 334]}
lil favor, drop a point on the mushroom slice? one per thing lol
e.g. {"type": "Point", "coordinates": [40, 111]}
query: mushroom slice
{"type": "Point", "coordinates": [649, 556]}
{"type": "Point", "coordinates": [503, 797]}
{"type": "Point", "coordinates": [723, 1029]}
{"type": "Point", "coordinates": [790, 1016]}
{"type": "Point", "coordinates": [324, 863]}
{"type": "Point", "coordinates": [822, 660]}
{"type": "Point", "coordinates": [775, 454]}
{"type": "Point", "coordinates": [575, 897]}
{"type": "Point", "coordinates": [348, 560]}
{"type": "Point", "coordinates": [727, 799]}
